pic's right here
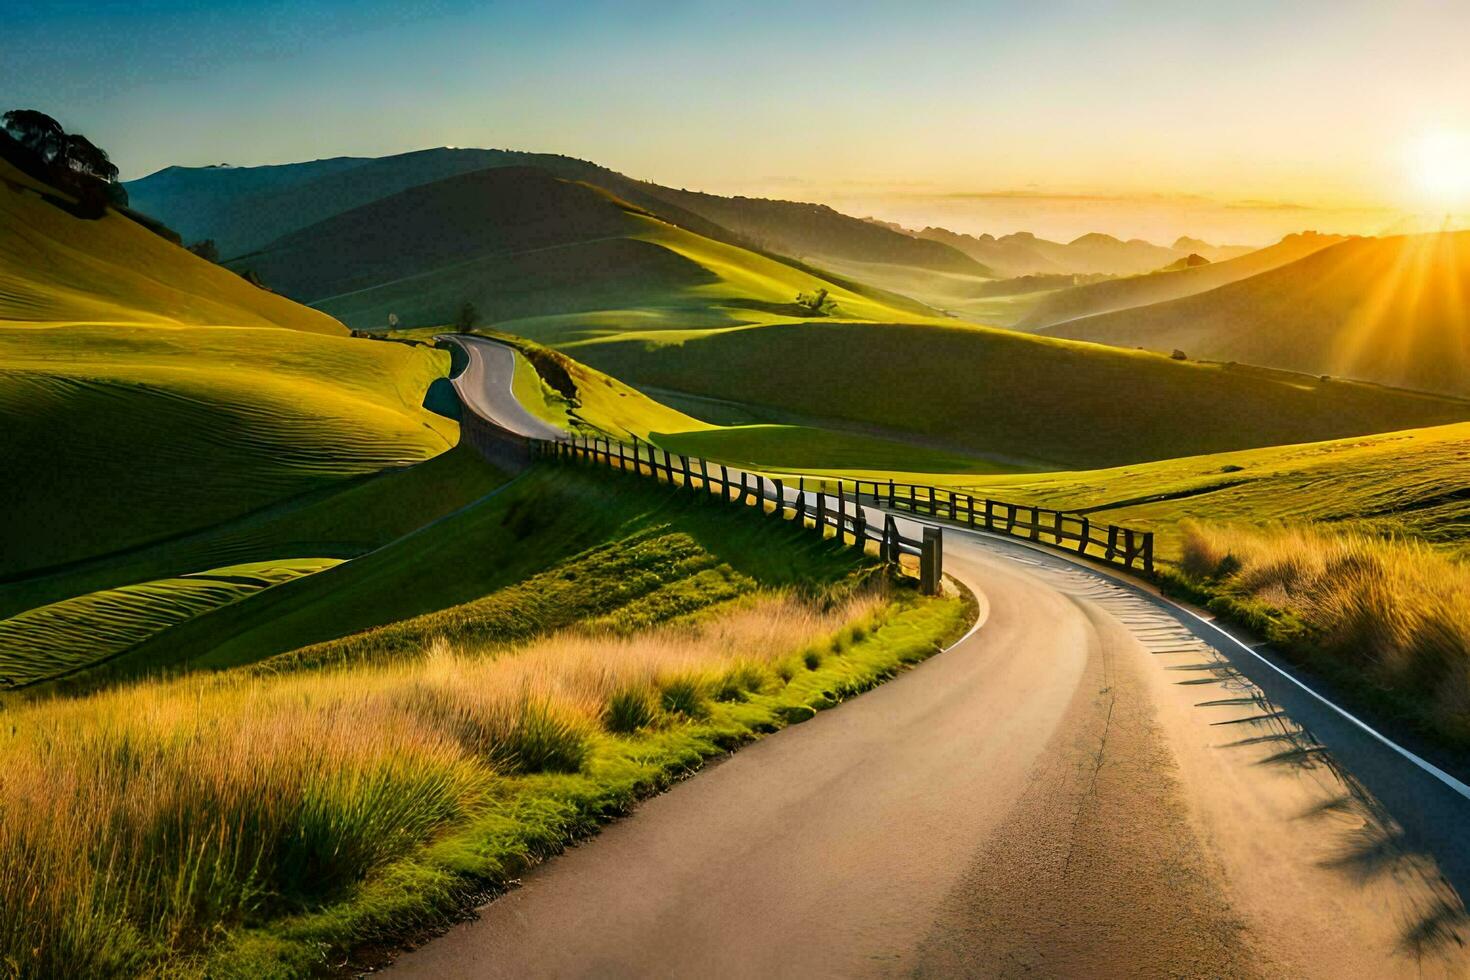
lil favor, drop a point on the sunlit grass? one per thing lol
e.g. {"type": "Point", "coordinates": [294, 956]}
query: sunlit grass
{"type": "Point", "coordinates": [151, 820]}
{"type": "Point", "coordinates": [1390, 615]}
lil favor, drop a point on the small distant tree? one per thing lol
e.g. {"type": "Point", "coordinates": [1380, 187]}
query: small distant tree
{"type": "Point", "coordinates": [205, 249]}
{"type": "Point", "coordinates": [392, 321]}
{"type": "Point", "coordinates": [1179, 355]}
{"type": "Point", "coordinates": [816, 303]}
{"type": "Point", "coordinates": [466, 318]}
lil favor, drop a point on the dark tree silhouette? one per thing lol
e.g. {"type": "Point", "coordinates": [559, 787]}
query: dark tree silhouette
{"type": "Point", "coordinates": [37, 132]}
{"type": "Point", "coordinates": [81, 155]}
{"type": "Point", "coordinates": [467, 317]}
{"type": "Point", "coordinates": [69, 161]}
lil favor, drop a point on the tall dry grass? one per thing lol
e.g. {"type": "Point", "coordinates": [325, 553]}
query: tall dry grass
{"type": "Point", "coordinates": [136, 822]}
{"type": "Point", "coordinates": [1398, 612]}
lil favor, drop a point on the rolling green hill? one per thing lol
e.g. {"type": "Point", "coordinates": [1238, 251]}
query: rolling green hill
{"type": "Point", "coordinates": [1392, 310]}
{"type": "Point", "coordinates": [1159, 287]}
{"type": "Point", "coordinates": [149, 393]}
{"type": "Point", "coordinates": [185, 427]}
{"type": "Point", "coordinates": [541, 256]}
{"type": "Point", "coordinates": [56, 268]}
{"type": "Point", "coordinates": [1015, 398]}
{"type": "Point", "coordinates": [1406, 483]}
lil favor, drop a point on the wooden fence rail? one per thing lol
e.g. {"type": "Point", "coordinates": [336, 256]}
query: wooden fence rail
{"type": "Point", "coordinates": [850, 522]}
{"type": "Point", "coordinates": [1124, 547]}
{"type": "Point", "coordinates": [840, 504]}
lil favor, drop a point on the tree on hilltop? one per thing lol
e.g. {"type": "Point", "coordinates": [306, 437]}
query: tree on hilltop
{"type": "Point", "coordinates": [466, 318]}
{"type": "Point", "coordinates": [35, 131]}
{"type": "Point", "coordinates": [70, 161]}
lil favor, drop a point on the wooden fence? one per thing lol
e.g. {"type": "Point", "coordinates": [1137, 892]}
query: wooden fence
{"type": "Point", "coordinates": [1066, 530]}
{"type": "Point", "coordinates": [850, 522]}
{"type": "Point", "coordinates": [841, 504]}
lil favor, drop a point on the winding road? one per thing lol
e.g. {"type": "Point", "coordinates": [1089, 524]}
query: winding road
{"type": "Point", "coordinates": [1095, 782]}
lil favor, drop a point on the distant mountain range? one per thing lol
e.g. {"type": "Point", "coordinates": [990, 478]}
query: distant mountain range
{"type": "Point", "coordinates": [246, 208]}
{"type": "Point", "coordinates": [1024, 254]}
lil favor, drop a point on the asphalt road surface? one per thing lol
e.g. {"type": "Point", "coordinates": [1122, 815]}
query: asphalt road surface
{"type": "Point", "coordinates": [1093, 783]}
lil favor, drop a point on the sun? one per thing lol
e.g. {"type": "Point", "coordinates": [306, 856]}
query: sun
{"type": "Point", "coordinates": [1440, 162]}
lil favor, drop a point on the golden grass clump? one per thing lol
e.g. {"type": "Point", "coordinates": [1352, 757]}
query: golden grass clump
{"type": "Point", "coordinates": [1396, 610]}
{"type": "Point", "coordinates": [135, 823]}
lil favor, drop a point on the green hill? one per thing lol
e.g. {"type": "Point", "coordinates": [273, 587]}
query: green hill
{"type": "Point", "coordinates": [1392, 310]}
{"type": "Point", "coordinates": [148, 393]}
{"type": "Point", "coordinates": [57, 268]}
{"type": "Point", "coordinates": [538, 255]}
{"type": "Point", "coordinates": [1015, 398]}
{"type": "Point", "coordinates": [1159, 287]}
{"type": "Point", "coordinates": [1406, 483]}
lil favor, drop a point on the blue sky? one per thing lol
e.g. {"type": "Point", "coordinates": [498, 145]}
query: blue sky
{"type": "Point", "coordinates": [1249, 101]}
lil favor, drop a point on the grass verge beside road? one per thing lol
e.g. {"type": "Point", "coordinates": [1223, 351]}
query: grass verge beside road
{"type": "Point", "coordinates": [1386, 620]}
{"type": "Point", "coordinates": [290, 818]}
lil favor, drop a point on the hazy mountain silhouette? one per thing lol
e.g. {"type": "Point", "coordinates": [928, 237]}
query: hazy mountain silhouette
{"type": "Point", "coordinates": [245, 208]}
{"type": "Point", "coordinates": [1170, 283]}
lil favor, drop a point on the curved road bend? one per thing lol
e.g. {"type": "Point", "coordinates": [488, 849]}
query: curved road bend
{"type": "Point", "coordinates": [1089, 784]}
{"type": "Point", "coordinates": [486, 383]}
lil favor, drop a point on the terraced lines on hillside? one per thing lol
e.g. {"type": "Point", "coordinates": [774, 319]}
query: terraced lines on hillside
{"type": "Point", "coordinates": [126, 434]}
{"type": "Point", "coordinates": [65, 636]}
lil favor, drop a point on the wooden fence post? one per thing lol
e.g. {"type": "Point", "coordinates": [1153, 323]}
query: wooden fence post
{"type": "Point", "coordinates": [1035, 524]}
{"type": "Point", "coordinates": [841, 516]}
{"type": "Point", "coordinates": [931, 561]}
{"type": "Point", "coordinates": [822, 513]}
{"type": "Point", "coordinates": [1148, 552]}
{"type": "Point", "coordinates": [1086, 536]}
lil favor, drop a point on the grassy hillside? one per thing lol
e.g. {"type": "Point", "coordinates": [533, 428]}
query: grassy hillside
{"type": "Point", "coordinates": [127, 434]}
{"type": "Point", "coordinates": [1406, 483]}
{"type": "Point", "coordinates": [56, 268]}
{"type": "Point", "coordinates": [1016, 398]}
{"type": "Point", "coordinates": [541, 256]}
{"type": "Point", "coordinates": [1393, 310]}
{"type": "Point", "coordinates": [1160, 287]}
{"type": "Point", "coordinates": [96, 611]}
{"type": "Point", "coordinates": [149, 393]}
